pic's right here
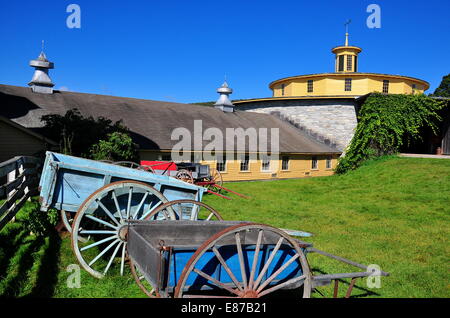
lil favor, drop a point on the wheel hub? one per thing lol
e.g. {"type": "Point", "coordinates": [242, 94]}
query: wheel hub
{"type": "Point", "coordinates": [250, 294]}
{"type": "Point", "coordinates": [123, 233]}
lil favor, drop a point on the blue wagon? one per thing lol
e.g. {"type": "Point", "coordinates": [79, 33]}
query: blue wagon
{"type": "Point", "coordinates": [105, 197]}
{"type": "Point", "coordinates": [216, 259]}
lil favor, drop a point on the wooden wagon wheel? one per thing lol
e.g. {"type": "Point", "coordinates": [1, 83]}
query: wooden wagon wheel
{"type": "Point", "coordinates": [272, 267]}
{"type": "Point", "coordinates": [184, 175]}
{"type": "Point", "coordinates": [142, 282]}
{"type": "Point", "coordinates": [215, 178]}
{"type": "Point", "coordinates": [201, 211]}
{"type": "Point", "coordinates": [104, 216]}
{"type": "Point", "coordinates": [185, 210]}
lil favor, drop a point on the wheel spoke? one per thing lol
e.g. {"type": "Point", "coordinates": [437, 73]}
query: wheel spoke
{"type": "Point", "coordinates": [215, 281]}
{"type": "Point", "coordinates": [103, 252]}
{"type": "Point", "coordinates": [98, 243]}
{"type": "Point", "coordinates": [241, 259]}
{"type": "Point", "coordinates": [269, 261]}
{"type": "Point", "coordinates": [151, 210]}
{"type": "Point", "coordinates": [130, 194]}
{"type": "Point", "coordinates": [228, 270]}
{"type": "Point", "coordinates": [274, 275]}
{"type": "Point", "coordinates": [255, 259]}
{"type": "Point", "coordinates": [100, 221]}
{"type": "Point", "coordinates": [107, 211]}
{"type": "Point", "coordinates": [116, 203]}
{"type": "Point", "coordinates": [276, 287]}
{"type": "Point", "coordinates": [194, 212]}
{"type": "Point", "coordinates": [97, 232]}
{"type": "Point", "coordinates": [122, 261]}
{"type": "Point", "coordinates": [210, 216]}
{"type": "Point", "coordinates": [112, 257]}
{"type": "Point", "coordinates": [140, 205]}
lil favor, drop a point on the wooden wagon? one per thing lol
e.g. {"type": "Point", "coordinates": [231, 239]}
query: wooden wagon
{"type": "Point", "coordinates": [105, 197]}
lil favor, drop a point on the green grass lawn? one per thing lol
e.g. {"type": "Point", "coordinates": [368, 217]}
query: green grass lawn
{"type": "Point", "coordinates": [393, 212]}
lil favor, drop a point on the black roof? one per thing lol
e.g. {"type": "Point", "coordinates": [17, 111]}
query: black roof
{"type": "Point", "coordinates": [151, 122]}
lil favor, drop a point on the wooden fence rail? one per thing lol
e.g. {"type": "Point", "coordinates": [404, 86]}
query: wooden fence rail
{"type": "Point", "coordinates": [22, 180]}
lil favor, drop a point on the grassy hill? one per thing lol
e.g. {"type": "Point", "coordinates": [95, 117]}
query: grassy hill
{"type": "Point", "coordinates": [393, 212]}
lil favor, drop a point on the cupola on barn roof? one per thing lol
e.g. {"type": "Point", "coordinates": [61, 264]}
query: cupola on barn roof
{"type": "Point", "coordinates": [41, 81]}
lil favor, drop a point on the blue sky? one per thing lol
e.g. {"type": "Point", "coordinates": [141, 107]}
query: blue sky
{"type": "Point", "coordinates": [181, 50]}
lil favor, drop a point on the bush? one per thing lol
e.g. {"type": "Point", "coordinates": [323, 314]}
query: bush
{"type": "Point", "coordinates": [385, 123]}
{"type": "Point", "coordinates": [118, 147]}
{"type": "Point", "coordinates": [35, 221]}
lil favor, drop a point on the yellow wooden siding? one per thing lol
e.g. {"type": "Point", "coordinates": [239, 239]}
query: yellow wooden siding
{"type": "Point", "coordinates": [300, 166]}
{"type": "Point", "coordinates": [335, 85]}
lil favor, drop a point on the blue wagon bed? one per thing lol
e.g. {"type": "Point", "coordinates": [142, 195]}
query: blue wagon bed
{"type": "Point", "coordinates": [67, 181]}
{"type": "Point", "coordinates": [216, 259]}
{"type": "Point", "coordinates": [212, 259]}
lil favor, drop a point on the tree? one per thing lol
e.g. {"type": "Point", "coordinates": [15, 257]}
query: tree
{"type": "Point", "coordinates": [444, 88]}
{"type": "Point", "coordinates": [117, 147]}
{"type": "Point", "coordinates": [76, 134]}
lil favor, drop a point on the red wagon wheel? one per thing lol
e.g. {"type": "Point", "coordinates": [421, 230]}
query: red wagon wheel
{"type": "Point", "coordinates": [215, 179]}
{"type": "Point", "coordinates": [223, 265]}
{"type": "Point", "coordinates": [184, 175]}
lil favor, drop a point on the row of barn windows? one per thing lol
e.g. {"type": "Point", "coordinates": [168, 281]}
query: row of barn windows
{"type": "Point", "coordinates": [265, 163]}
{"type": "Point", "coordinates": [347, 86]}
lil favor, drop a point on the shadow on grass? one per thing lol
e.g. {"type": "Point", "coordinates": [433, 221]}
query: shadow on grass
{"type": "Point", "coordinates": [9, 249]}
{"type": "Point", "coordinates": [47, 275]}
{"type": "Point", "coordinates": [365, 292]}
{"type": "Point", "coordinates": [19, 273]}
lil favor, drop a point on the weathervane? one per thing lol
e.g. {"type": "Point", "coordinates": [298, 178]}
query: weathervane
{"type": "Point", "coordinates": [346, 31]}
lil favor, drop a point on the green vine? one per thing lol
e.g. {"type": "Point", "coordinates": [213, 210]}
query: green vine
{"type": "Point", "coordinates": [385, 123]}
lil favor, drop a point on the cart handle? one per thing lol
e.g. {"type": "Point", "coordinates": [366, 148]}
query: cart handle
{"type": "Point", "coordinates": [346, 261]}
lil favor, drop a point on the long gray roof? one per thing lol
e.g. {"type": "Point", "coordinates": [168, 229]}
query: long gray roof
{"type": "Point", "coordinates": [151, 122]}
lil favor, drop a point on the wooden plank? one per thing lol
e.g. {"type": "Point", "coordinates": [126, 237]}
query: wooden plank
{"type": "Point", "coordinates": [12, 211]}
{"type": "Point", "coordinates": [8, 166]}
{"type": "Point", "coordinates": [18, 189]}
{"type": "Point", "coordinates": [16, 162]}
{"type": "Point", "coordinates": [6, 188]}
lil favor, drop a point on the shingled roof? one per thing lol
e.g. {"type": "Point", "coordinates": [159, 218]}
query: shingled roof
{"type": "Point", "coordinates": [151, 122]}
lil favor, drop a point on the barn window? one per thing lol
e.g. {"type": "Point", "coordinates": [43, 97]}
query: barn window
{"type": "Point", "coordinates": [265, 164]}
{"type": "Point", "coordinates": [385, 86]}
{"type": "Point", "coordinates": [314, 163]}
{"type": "Point", "coordinates": [348, 84]}
{"type": "Point", "coordinates": [329, 163]}
{"type": "Point", "coordinates": [341, 63]}
{"type": "Point", "coordinates": [282, 89]}
{"type": "Point", "coordinates": [221, 164]}
{"type": "Point", "coordinates": [245, 163]}
{"type": "Point", "coordinates": [285, 163]}
{"type": "Point", "coordinates": [349, 62]}
{"type": "Point", "coordinates": [310, 86]}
